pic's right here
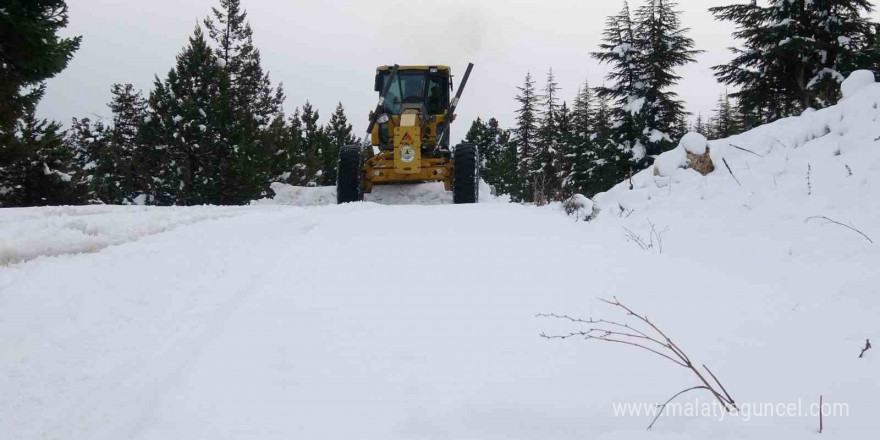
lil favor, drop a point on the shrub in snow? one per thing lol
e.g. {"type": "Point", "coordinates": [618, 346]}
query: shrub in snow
{"type": "Point", "coordinates": [666, 163]}
{"type": "Point", "coordinates": [579, 205]}
{"type": "Point", "coordinates": [638, 332]}
{"type": "Point", "coordinates": [856, 81]}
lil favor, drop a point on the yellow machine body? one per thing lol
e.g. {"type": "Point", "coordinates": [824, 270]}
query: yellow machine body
{"type": "Point", "coordinates": [408, 140]}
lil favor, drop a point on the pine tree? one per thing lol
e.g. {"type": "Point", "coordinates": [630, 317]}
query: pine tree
{"type": "Point", "coordinates": [609, 161]}
{"type": "Point", "coordinates": [543, 164]}
{"type": "Point", "coordinates": [664, 46]}
{"type": "Point", "coordinates": [248, 104]}
{"type": "Point", "coordinates": [724, 123]}
{"type": "Point", "coordinates": [795, 54]}
{"type": "Point", "coordinates": [129, 110]}
{"type": "Point", "coordinates": [583, 136]}
{"type": "Point", "coordinates": [621, 51]}
{"type": "Point", "coordinates": [700, 126]}
{"type": "Point", "coordinates": [526, 134]}
{"type": "Point", "coordinates": [339, 132]}
{"type": "Point", "coordinates": [499, 166]}
{"type": "Point", "coordinates": [564, 154]}
{"type": "Point", "coordinates": [194, 164]}
{"type": "Point", "coordinates": [95, 160]}
{"type": "Point", "coordinates": [314, 142]}
{"type": "Point", "coordinates": [31, 51]}
{"type": "Point", "coordinates": [36, 167]}
{"type": "Point", "coordinates": [45, 174]}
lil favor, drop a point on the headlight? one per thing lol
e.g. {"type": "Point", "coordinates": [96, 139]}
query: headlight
{"type": "Point", "coordinates": [383, 118]}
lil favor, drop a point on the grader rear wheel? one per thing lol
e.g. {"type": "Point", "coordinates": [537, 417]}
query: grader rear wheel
{"type": "Point", "coordinates": [466, 186]}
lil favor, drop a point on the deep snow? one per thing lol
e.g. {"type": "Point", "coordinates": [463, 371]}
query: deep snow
{"type": "Point", "coordinates": [371, 321]}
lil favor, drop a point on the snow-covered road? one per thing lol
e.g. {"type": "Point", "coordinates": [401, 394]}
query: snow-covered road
{"type": "Point", "coordinates": [390, 322]}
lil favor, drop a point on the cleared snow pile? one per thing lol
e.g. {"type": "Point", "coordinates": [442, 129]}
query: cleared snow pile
{"type": "Point", "coordinates": [857, 81]}
{"type": "Point", "coordinates": [300, 195]}
{"type": "Point", "coordinates": [26, 234]}
{"type": "Point", "coordinates": [433, 193]}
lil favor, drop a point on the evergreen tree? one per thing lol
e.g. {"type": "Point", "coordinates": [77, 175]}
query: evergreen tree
{"type": "Point", "coordinates": [339, 132]}
{"type": "Point", "coordinates": [526, 133]}
{"type": "Point", "coordinates": [795, 54]}
{"type": "Point", "coordinates": [621, 51]}
{"type": "Point", "coordinates": [724, 123]}
{"type": "Point", "coordinates": [609, 161]}
{"type": "Point", "coordinates": [664, 46]}
{"type": "Point", "coordinates": [247, 105]}
{"type": "Point", "coordinates": [129, 111]}
{"type": "Point", "coordinates": [31, 51]}
{"type": "Point", "coordinates": [194, 164]}
{"type": "Point", "coordinates": [91, 145]}
{"type": "Point", "coordinates": [36, 166]}
{"type": "Point", "coordinates": [314, 142]}
{"type": "Point", "coordinates": [45, 174]}
{"type": "Point", "coordinates": [700, 126]}
{"type": "Point", "coordinates": [498, 152]}
{"type": "Point", "coordinates": [544, 163]}
{"type": "Point", "coordinates": [564, 155]}
{"type": "Point", "coordinates": [583, 136]}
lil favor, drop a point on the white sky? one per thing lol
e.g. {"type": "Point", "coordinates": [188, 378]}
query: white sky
{"type": "Point", "coordinates": [326, 51]}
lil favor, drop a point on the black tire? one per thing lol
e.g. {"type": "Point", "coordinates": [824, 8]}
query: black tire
{"type": "Point", "coordinates": [466, 164]}
{"type": "Point", "coordinates": [350, 175]}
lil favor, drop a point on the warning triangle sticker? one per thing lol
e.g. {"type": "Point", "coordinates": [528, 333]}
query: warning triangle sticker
{"type": "Point", "coordinates": [407, 138]}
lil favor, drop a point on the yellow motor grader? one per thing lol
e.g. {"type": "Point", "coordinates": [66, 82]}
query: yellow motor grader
{"type": "Point", "coordinates": [410, 130]}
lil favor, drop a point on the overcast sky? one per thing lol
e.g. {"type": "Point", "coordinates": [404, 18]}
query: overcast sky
{"type": "Point", "coordinates": [326, 51]}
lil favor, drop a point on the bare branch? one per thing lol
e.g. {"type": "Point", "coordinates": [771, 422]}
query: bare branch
{"type": "Point", "coordinates": [745, 149]}
{"type": "Point", "coordinates": [731, 171]}
{"type": "Point", "coordinates": [867, 347]}
{"type": "Point", "coordinates": [850, 227]}
{"type": "Point", "coordinates": [663, 407]}
{"type": "Point", "coordinates": [627, 334]}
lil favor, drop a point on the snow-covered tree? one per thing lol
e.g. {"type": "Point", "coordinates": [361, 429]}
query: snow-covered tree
{"type": "Point", "coordinates": [248, 103]}
{"type": "Point", "coordinates": [544, 167]}
{"type": "Point", "coordinates": [724, 123]}
{"type": "Point", "coordinates": [498, 153]}
{"type": "Point", "coordinates": [795, 53]}
{"type": "Point", "coordinates": [314, 142]}
{"type": "Point", "coordinates": [582, 137]}
{"type": "Point", "coordinates": [43, 170]}
{"type": "Point", "coordinates": [626, 91]}
{"type": "Point", "coordinates": [36, 167]}
{"type": "Point", "coordinates": [699, 126]}
{"type": "Point", "coordinates": [608, 161]}
{"type": "Point", "coordinates": [526, 136]}
{"type": "Point", "coordinates": [339, 133]}
{"type": "Point", "coordinates": [564, 155]}
{"type": "Point", "coordinates": [664, 46]}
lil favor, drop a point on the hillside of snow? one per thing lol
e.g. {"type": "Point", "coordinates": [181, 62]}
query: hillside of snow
{"type": "Point", "coordinates": [291, 319]}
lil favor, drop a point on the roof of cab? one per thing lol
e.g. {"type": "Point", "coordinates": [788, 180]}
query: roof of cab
{"type": "Point", "coordinates": [438, 67]}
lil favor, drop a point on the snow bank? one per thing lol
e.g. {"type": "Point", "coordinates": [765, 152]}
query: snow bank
{"type": "Point", "coordinates": [667, 163]}
{"type": "Point", "coordinates": [417, 194]}
{"type": "Point", "coordinates": [26, 234]}
{"type": "Point", "coordinates": [857, 81]}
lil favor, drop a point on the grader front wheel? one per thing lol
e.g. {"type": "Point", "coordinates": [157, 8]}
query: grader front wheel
{"type": "Point", "coordinates": [466, 186]}
{"type": "Point", "coordinates": [350, 177]}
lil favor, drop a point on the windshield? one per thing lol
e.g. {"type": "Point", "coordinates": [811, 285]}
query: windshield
{"type": "Point", "coordinates": [408, 88]}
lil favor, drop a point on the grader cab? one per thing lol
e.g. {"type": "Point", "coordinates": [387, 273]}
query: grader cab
{"type": "Point", "coordinates": [410, 130]}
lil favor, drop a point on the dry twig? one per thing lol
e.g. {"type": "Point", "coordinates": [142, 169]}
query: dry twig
{"type": "Point", "coordinates": [731, 171]}
{"type": "Point", "coordinates": [832, 221]}
{"type": "Point", "coordinates": [648, 338]}
{"type": "Point", "coordinates": [867, 347]}
{"type": "Point", "coordinates": [745, 149]}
